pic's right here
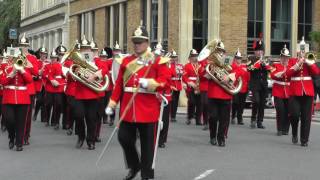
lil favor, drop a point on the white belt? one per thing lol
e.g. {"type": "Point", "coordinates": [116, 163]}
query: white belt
{"type": "Point", "coordinates": [58, 77]}
{"type": "Point", "coordinates": [192, 78]}
{"type": "Point", "coordinates": [167, 95]}
{"type": "Point", "coordinates": [281, 83]}
{"type": "Point", "coordinates": [301, 78]}
{"type": "Point", "coordinates": [177, 79]}
{"type": "Point", "coordinates": [16, 87]}
{"type": "Point", "coordinates": [140, 90]}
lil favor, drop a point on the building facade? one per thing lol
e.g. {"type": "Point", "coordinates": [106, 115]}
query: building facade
{"type": "Point", "coordinates": [45, 22]}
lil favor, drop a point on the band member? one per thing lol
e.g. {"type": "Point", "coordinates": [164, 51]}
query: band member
{"type": "Point", "coordinates": [140, 107]}
{"type": "Point", "coordinates": [301, 94]}
{"type": "Point", "coordinates": [280, 92]}
{"type": "Point", "coordinates": [176, 86]}
{"type": "Point", "coordinates": [32, 68]}
{"type": "Point", "coordinates": [204, 97]}
{"type": "Point", "coordinates": [54, 86]}
{"type": "Point", "coordinates": [258, 84]}
{"type": "Point", "coordinates": [87, 101]}
{"type": "Point", "coordinates": [192, 79]}
{"type": "Point", "coordinates": [38, 83]}
{"type": "Point", "coordinates": [239, 100]}
{"type": "Point", "coordinates": [3, 63]}
{"type": "Point", "coordinates": [219, 97]}
{"type": "Point", "coordinates": [16, 99]}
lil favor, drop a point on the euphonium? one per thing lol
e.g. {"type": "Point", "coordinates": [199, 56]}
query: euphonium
{"type": "Point", "coordinates": [217, 69]}
{"type": "Point", "coordinates": [80, 70]}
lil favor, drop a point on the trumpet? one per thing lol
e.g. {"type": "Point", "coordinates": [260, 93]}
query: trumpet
{"type": "Point", "coordinates": [308, 57]}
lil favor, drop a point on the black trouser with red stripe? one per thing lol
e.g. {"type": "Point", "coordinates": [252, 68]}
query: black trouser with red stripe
{"type": "Point", "coordinates": [86, 114]}
{"type": "Point", "coordinates": [3, 124]}
{"type": "Point", "coordinates": [64, 111]}
{"type": "Point", "coordinates": [40, 105]}
{"type": "Point", "coordinates": [238, 105]}
{"type": "Point", "coordinates": [282, 109]}
{"type": "Point", "coordinates": [15, 118]}
{"type": "Point", "coordinates": [174, 104]}
{"type": "Point", "coordinates": [300, 107]}
{"type": "Point", "coordinates": [219, 112]}
{"type": "Point", "coordinates": [194, 106]}
{"type": "Point", "coordinates": [53, 101]}
{"type": "Point", "coordinates": [204, 106]}
{"type": "Point", "coordinates": [127, 137]}
{"type": "Point", "coordinates": [70, 110]}
{"type": "Point", "coordinates": [29, 117]}
{"type": "Point", "coordinates": [165, 119]}
{"type": "Point", "coordinates": [258, 104]}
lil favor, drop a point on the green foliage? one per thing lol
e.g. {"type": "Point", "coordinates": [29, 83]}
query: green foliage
{"type": "Point", "coordinates": [10, 15]}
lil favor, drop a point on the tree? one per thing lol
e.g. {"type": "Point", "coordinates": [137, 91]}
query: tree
{"type": "Point", "coordinates": [315, 38]}
{"type": "Point", "coordinates": [10, 16]}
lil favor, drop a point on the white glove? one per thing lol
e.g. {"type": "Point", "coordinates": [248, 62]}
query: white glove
{"type": "Point", "coordinates": [54, 83]}
{"type": "Point", "coordinates": [161, 125]}
{"type": "Point", "coordinates": [309, 62]}
{"type": "Point", "coordinates": [279, 74]}
{"type": "Point", "coordinates": [143, 82]}
{"type": "Point", "coordinates": [109, 111]}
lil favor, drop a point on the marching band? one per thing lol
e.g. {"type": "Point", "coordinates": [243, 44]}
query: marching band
{"type": "Point", "coordinates": [83, 86]}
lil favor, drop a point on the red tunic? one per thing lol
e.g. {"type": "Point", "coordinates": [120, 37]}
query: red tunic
{"type": "Point", "coordinates": [109, 65]}
{"type": "Point", "coordinates": [53, 71]}
{"type": "Point", "coordinates": [244, 74]}
{"type": "Point", "coordinates": [280, 86]}
{"type": "Point", "coordinates": [177, 70]}
{"type": "Point", "coordinates": [38, 84]}
{"type": "Point", "coordinates": [104, 66]}
{"type": "Point", "coordinates": [71, 83]}
{"type": "Point", "coordinates": [301, 81]}
{"type": "Point", "coordinates": [190, 74]}
{"type": "Point", "coordinates": [15, 89]}
{"type": "Point", "coordinates": [146, 106]}
{"type": "Point", "coordinates": [203, 80]}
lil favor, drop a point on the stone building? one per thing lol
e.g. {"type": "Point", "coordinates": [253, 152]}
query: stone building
{"type": "Point", "coordinates": [45, 22]}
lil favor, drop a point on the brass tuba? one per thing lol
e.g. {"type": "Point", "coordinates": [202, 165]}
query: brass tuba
{"type": "Point", "coordinates": [217, 69]}
{"type": "Point", "coordinates": [80, 70]}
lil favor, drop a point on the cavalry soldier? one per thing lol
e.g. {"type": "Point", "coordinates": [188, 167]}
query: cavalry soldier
{"type": "Point", "coordinates": [32, 68]}
{"type": "Point", "coordinates": [38, 83]}
{"type": "Point", "coordinates": [239, 100]}
{"type": "Point", "coordinates": [301, 94]}
{"type": "Point", "coordinates": [16, 99]}
{"type": "Point", "coordinates": [280, 92]}
{"type": "Point", "coordinates": [87, 102]}
{"type": "Point", "coordinates": [176, 86]}
{"type": "Point", "coordinates": [140, 77]}
{"type": "Point", "coordinates": [192, 79]}
{"type": "Point", "coordinates": [54, 86]}
{"type": "Point", "coordinates": [258, 84]}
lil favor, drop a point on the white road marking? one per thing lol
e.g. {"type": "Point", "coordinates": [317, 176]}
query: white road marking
{"type": "Point", "coordinates": [204, 174]}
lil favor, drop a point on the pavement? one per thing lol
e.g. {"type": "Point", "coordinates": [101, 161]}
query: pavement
{"type": "Point", "coordinates": [250, 154]}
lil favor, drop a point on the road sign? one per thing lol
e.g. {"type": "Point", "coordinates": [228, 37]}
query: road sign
{"type": "Point", "coordinates": [13, 34]}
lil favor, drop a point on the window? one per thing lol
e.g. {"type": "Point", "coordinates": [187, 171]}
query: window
{"type": "Point", "coordinates": [87, 25]}
{"type": "Point", "coordinates": [107, 40]}
{"type": "Point", "coordinates": [280, 25]}
{"type": "Point", "coordinates": [305, 19]}
{"type": "Point", "coordinates": [154, 23]}
{"type": "Point", "coordinates": [116, 23]}
{"type": "Point", "coordinates": [200, 24]}
{"type": "Point", "coordinates": [255, 22]}
{"type": "Point", "coordinates": [165, 24]}
{"type": "Point", "coordinates": [144, 12]}
{"type": "Point", "coordinates": [125, 40]}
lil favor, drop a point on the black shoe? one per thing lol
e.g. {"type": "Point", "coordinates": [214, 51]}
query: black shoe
{"type": "Point", "coordinates": [162, 145]}
{"type": "Point", "coordinates": [285, 133]}
{"type": "Point", "coordinates": [260, 126]}
{"type": "Point", "coordinates": [221, 143]}
{"type": "Point", "coordinates": [64, 127]}
{"type": "Point", "coordinates": [47, 124]}
{"type": "Point", "coordinates": [279, 133]}
{"type": "Point", "coordinates": [131, 174]}
{"type": "Point", "coordinates": [173, 120]}
{"type": "Point", "coordinates": [34, 118]}
{"type": "Point", "coordinates": [213, 142]}
{"type": "Point", "coordinates": [3, 128]}
{"type": "Point", "coordinates": [294, 139]}
{"type": "Point", "coordinates": [253, 125]}
{"type": "Point", "coordinates": [205, 127]}
{"type": "Point", "coordinates": [188, 122]}
{"type": "Point", "coordinates": [26, 141]}
{"type": "Point", "coordinates": [79, 143]}
{"type": "Point", "coordinates": [56, 127]}
{"type": "Point", "coordinates": [69, 132]}
{"type": "Point", "coordinates": [240, 123]}
{"type": "Point", "coordinates": [98, 139]}
{"type": "Point", "coordinates": [19, 148]}
{"type": "Point", "coordinates": [11, 144]}
{"type": "Point", "coordinates": [304, 144]}
{"type": "Point", "coordinates": [233, 121]}
{"type": "Point", "coordinates": [91, 146]}
{"type": "Point", "coordinates": [198, 123]}
{"type": "Point", "coordinates": [111, 122]}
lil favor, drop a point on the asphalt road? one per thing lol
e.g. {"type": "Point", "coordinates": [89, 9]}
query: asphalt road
{"type": "Point", "coordinates": [250, 154]}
